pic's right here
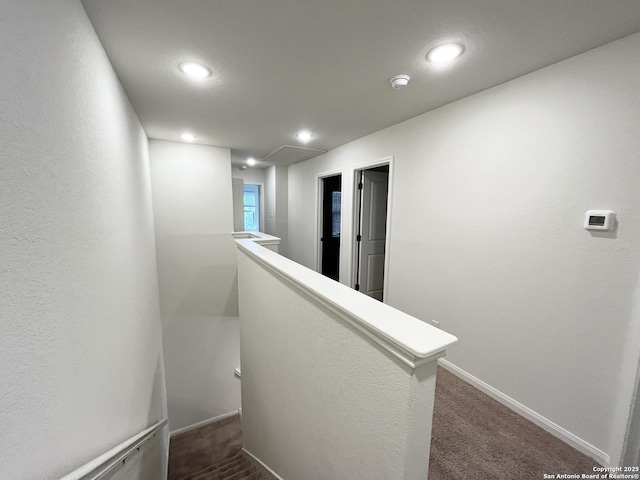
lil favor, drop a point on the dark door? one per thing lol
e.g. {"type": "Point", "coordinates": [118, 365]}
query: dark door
{"type": "Point", "coordinates": [331, 214]}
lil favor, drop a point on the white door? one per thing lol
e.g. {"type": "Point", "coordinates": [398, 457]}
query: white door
{"type": "Point", "coordinates": [373, 230]}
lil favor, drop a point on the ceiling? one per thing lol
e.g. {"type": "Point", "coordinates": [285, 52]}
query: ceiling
{"type": "Point", "coordinates": [284, 65]}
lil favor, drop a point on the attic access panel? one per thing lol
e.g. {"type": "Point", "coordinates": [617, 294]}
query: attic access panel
{"type": "Point", "coordinates": [290, 154]}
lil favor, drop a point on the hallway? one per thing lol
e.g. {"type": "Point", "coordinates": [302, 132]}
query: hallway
{"type": "Point", "coordinates": [121, 301]}
{"type": "Point", "coordinates": [473, 437]}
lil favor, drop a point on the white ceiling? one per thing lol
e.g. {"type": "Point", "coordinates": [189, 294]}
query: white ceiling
{"type": "Point", "coordinates": [283, 65]}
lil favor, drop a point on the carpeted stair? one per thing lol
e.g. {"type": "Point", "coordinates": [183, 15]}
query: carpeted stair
{"type": "Point", "coordinates": [235, 467]}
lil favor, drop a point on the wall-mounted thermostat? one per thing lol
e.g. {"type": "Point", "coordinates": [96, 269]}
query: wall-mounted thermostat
{"type": "Point", "coordinates": [602, 220]}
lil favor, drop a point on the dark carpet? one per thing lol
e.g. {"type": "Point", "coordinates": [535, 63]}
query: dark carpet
{"type": "Point", "coordinates": [206, 447]}
{"type": "Point", "coordinates": [476, 437]}
{"type": "Point", "coordinates": [236, 467]}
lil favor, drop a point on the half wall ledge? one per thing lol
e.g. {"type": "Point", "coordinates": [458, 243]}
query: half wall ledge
{"type": "Point", "coordinates": [409, 339]}
{"type": "Point", "coordinates": [268, 241]}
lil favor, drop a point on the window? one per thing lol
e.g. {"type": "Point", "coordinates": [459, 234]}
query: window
{"type": "Point", "coordinates": [252, 208]}
{"type": "Point", "coordinates": [336, 201]}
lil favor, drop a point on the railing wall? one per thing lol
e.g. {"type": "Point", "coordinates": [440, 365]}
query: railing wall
{"type": "Point", "coordinates": [335, 385]}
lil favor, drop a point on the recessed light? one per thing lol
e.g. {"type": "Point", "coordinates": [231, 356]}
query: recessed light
{"type": "Point", "coordinates": [251, 161]}
{"type": "Point", "coordinates": [194, 70]}
{"type": "Point", "coordinates": [304, 136]}
{"type": "Point", "coordinates": [445, 53]}
{"type": "Point", "coordinates": [188, 137]}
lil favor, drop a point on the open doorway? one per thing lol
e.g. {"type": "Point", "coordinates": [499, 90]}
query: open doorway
{"type": "Point", "coordinates": [251, 208]}
{"type": "Point", "coordinates": [370, 213]}
{"type": "Point", "coordinates": [330, 221]}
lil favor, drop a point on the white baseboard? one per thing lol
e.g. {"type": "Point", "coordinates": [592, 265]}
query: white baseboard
{"type": "Point", "coordinates": [203, 423]}
{"type": "Point", "coordinates": [544, 423]}
{"type": "Point", "coordinates": [268, 473]}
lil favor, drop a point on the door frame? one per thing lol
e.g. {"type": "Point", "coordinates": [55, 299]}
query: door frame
{"type": "Point", "coordinates": [261, 218]}
{"type": "Point", "coordinates": [262, 212]}
{"type": "Point", "coordinates": [318, 232]}
{"type": "Point", "coordinates": [355, 218]}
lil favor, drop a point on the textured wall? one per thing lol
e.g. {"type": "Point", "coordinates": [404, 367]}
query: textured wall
{"type": "Point", "coordinates": [238, 204]}
{"type": "Point", "coordinates": [80, 352]}
{"type": "Point", "coordinates": [282, 208]}
{"type": "Point", "coordinates": [270, 201]}
{"type": "Point", "coordinates": [277, 205]}
{"type": "Point", "coordinates": [197, 272]}
{"type": "Point", "coordinates": [487, 236]}
{"type": "Point", "coordinates": [320, 400]}
{"type": "Point", "coordinates": [254, 176]}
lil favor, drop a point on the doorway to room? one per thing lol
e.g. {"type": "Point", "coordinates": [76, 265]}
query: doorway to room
{"type": "Point", "coordinates": [370, 213]}
{"type": "Point", "coordinates": [251, 195]}
{"type": "Point", "coordinates": [330, 221]}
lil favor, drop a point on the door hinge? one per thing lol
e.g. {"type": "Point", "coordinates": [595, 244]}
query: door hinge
{"type": "Point", "coordinates": [359, 238]}
{"type": "Point", "coordinates": [357, 287]}
{"type": "Point", "coordinates": [360, 186]}
{"type": "Point", "coordinates": [321, 239]}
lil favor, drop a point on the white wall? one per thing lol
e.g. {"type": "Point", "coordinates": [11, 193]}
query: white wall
{"type": "Point", "coordinates": [282, 208]}
{"type": "Point", "coordinates": [80, 352]}
{"type": "Point", "coordinates": [270, 200]}
{"type": "Point", "coordinates": [197, 272]}
{"type": "Point", "coordinates": [277, 205]}
{"type": "Point", "coordinates": [238, 204]}
{"type": "Point", "coordinates": [487, 233]}
{"type": "Point", "coordinates": [253, 176]}
{"type": "Point", "coordinates": [143, 464]}
{"type": "Point", "coordinates": [320, 398]}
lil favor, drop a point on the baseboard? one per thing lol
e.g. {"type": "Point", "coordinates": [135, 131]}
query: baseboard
{"type": "Point", "coordinates": [544, 423]}
{"type": "Point", "coordinates": [203, 423]}
{"type": "Point", "coordinates": [266, 471]}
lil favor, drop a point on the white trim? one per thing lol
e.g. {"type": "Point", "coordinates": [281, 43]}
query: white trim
{"type": "Point", "coordinates": [544, 423]}
{"type": "Point", "coordinates": [355, 227]}
{"type": "Point", "coordinates": [410, 340]}
{"type": "Point", "coordinates": [203, 423]}
{"type": "Point", "coordinates": [355, 218]}
{"type": "Point", "coordinates": [319, 178]}
{"type": "Point", "coordinates": [270, 474]}
{"type": "Point", "coordinates": [258, 237]}
{"type": "Point", "coordinates": [103, 464]}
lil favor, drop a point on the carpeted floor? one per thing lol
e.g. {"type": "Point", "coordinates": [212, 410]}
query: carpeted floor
{"type": "Point", "coordinates": [204, 447]}
{"type": "Point", "coordinates": [236, 467]}
{"type": "Point", "coordinates": [473, 438]}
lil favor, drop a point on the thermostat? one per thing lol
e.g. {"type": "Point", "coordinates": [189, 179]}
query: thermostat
{"type": "Point", "coordinates": [602, 220]}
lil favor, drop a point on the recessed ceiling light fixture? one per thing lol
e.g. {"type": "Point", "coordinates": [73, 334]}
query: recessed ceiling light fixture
{"type": "Point", "coordinates": [445, 53]}
{"type": "Point", "coordinates": [188, 137]}
{"type": "Point", "coordinates": [304, 136]}
{"type": "Point", "coordinates": [251, 161]}
{"type": "Point", "coordinates": [194, 70]}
